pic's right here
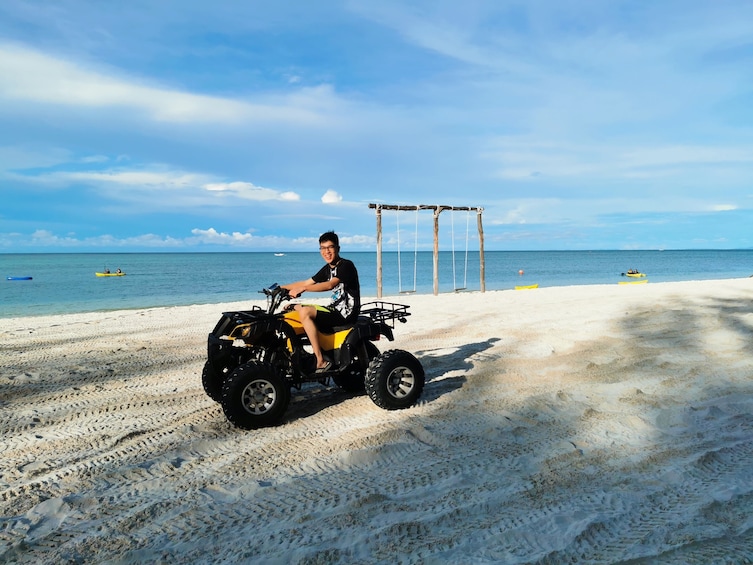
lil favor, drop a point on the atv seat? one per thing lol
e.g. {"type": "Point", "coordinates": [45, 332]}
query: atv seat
{"type": "Point", "coordinates": [362, 320]}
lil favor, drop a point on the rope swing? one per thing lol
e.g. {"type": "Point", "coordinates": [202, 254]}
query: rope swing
{"type": "Point", "coordinates": [415, 252]}
{"type": "Point", "coordinates": [400, 263]}
{"type": "Point", "coordinates": [465, 270]}
{"type": "Point", "coordinates": [437, 210]}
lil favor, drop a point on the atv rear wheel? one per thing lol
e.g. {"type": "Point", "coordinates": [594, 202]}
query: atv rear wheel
{"type": "Point", "coordinates": [254, 396]}
{"type": "Point", "coordinates": [352, 380]}
{"type": "Point", "coordinates": [395, 380]}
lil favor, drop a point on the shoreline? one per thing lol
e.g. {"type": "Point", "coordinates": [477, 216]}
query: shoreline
{"type": "Point", "coordinates": [589, 423]}
{"type": "Point", "coordinates": [238, 304]}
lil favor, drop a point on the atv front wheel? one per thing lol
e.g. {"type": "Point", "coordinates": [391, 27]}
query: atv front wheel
{"type": "Point", "coordinates": [211, 380]}
{"type": "Point", "coordinates": [395, 380]}
{"type": "Point", "coordinates": [254, 396]}
{"type": "Point", "coordinates": [352, 379]}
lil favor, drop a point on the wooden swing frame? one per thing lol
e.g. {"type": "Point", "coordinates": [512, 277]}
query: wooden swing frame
{"type": "Point", "coordinates": [437, 210]}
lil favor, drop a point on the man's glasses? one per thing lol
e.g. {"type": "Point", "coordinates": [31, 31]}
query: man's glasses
{"type": "Point", "coordinates": [326, 247]}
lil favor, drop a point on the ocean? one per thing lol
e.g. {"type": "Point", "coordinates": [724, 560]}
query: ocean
{"type": "Point", "coordinates": [65, 283]}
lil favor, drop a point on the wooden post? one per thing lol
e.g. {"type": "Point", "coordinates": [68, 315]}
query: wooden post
{"type": "Point", "coordinates": [437, 211]}
{"type": "Point", "coordinates": [482, 266]}
{"type": "Point", "coordinates": [379, 250]}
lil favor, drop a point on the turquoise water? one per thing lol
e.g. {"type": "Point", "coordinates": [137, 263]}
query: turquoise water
{"type": "Point", "coordinates": [65, 283]}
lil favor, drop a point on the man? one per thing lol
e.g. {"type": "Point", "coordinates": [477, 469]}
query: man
{"type": "Point", "coordinates": [341, 277]}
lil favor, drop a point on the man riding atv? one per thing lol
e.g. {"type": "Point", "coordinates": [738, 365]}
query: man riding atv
{"type": "Point", "coordinates": [339, 275]}
{"type": "Point", "coordinates": [255, 357]}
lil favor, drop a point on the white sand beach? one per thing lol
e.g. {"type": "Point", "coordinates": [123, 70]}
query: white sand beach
{"type": "Point", "coordinates": [587, 424]}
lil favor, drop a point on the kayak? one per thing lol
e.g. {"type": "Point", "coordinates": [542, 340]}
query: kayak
{"type": "Point", "coordinates": [110, 274]}
{"type": "Point", "coordinates": [635, 275]}
{"type": "Point", "coordinates": [642, 281]}
{"type": "Point", "coordinates": [527, 286]}
{"type": "Point", "coordinates": [19, 278]}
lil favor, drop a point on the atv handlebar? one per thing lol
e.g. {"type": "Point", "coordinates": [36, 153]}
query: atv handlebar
{"type": "Point", "coordinates": [273, 289]}
{"type": "Point", "coordinates": [276, 295]}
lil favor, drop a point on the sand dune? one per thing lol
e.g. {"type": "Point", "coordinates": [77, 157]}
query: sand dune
{"type": "Point", "coordinates": [591, 424]}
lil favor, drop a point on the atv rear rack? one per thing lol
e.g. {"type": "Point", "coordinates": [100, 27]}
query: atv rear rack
{"type": "Point", "coordinates": [385, 312]}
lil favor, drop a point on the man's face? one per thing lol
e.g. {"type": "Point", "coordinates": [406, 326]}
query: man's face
{"type": "Point", "coordinates": [328, 251]}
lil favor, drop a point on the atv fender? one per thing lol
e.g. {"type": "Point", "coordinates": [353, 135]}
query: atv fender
{"type": "Point", "coordinates": [222, 353]}
{"type": "Point", "coordinates": [363, 330]}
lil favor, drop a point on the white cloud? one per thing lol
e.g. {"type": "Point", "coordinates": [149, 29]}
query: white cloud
{"type": "Point", "coordinates": [95, 159]}
{"type": "Point", "coordinates": [135, 178]}
{"type": "Point", "coordinates": [35, 77]}
{"type": "Point", "coordinates": [22, 157]}
{"type": "Point", "coordinates": [47, 239]}
{"type": "Point", "coordinates": [249, 191]}
{"type": "Point", "coordinates": [358, 240]}
{"type": "Point", "coordinates": [522, 159]}
{"type": "Point", "coordinates": [239, 239]}
{"type": "Point", "coordinates": [331, 197]}
{"type": "Point", "coordinates": [165, 181]}
{"type": "Point", "coordinates": [591, 211]}
{"type": "Point", "coordinates": [42, 238]}
{"type": "Point", "coordinates": [211, 235]}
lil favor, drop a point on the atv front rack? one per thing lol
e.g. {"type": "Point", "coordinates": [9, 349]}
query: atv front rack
{"type": "Point", "coordinates": [385, 312]}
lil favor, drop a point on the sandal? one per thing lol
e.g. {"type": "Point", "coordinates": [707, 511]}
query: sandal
{"type": "Point", "coordinates": [326, 367]}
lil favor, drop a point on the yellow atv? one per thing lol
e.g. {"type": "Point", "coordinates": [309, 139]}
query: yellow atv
{"type": "Point", "coordinates": [255, 357]}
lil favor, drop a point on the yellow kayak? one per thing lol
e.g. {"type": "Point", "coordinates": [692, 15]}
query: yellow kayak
{"type": "Point", "coordinates": [635, 275]}
{"type": "Point", "coordinates": [110, 274]}
{"type": "Point", "coordinates": [527, 286]}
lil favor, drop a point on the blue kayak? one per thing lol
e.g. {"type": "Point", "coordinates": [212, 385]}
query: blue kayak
{"type": "Point", "coordinates": [19, 278]}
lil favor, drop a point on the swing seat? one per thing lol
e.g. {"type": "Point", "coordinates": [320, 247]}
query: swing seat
{"type": "Point", "coordinates": [460, 289]}
{"type": "Point", "coordinates": [407, 292]}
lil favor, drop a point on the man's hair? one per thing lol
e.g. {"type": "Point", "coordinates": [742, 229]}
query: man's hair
{"type": "Point", "coordinates": [330, 236]}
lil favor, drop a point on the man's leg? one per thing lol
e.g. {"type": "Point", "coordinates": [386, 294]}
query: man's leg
{"type": "Point", "coordinates": [307, 315]}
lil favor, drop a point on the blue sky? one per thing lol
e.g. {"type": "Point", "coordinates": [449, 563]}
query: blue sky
{"type": "Point", "coordinates": [179, 125]}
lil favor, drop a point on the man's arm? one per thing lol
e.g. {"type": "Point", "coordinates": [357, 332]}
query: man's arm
{"type": "Point", "coordinates": [310, 285]}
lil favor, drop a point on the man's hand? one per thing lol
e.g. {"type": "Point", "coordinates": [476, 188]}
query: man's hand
{"type": "Point", "coordinates": [296, 290]}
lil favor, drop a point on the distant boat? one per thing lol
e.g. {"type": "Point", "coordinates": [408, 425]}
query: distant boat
{"type": "Point", "coordinates": [19, 278]}
{"type": "Point", "coordinates": [110, 274]}
{"type": "Point", "coordinates": [279, 254]}
{"type": "Point", "coordinates": [634, 273]}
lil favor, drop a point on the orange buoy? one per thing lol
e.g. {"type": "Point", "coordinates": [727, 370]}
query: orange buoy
{"type": "Point", "coordinates": [520, 272]}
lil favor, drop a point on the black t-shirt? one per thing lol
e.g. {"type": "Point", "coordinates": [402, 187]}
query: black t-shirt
{"type": "Point", "coordinates": [346, 296]}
